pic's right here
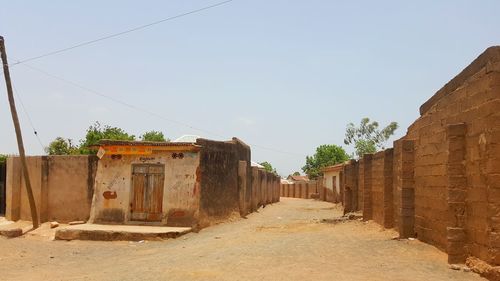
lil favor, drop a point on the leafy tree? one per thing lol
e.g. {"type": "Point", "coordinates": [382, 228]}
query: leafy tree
{"type": "Point", "coordinates": [61, 146]}
{"type": "Point", "coordinates": [268, 167]}
{"type": "Point", "coordinates": [3, 158]}
{"type": "Point", "coordinates": [96, 132]}
{"type": "Point", "coordinates": [296, 174]}
{"type": "Point", "coordinates": [368, 138]}
{"type": "Point", "coordinates": [326, 155]}
{"type": "Point", "coordinates": [153, 136]}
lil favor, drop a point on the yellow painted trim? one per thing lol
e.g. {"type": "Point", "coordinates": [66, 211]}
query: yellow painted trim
{"type": "Point", "coordinates": [144, 149]}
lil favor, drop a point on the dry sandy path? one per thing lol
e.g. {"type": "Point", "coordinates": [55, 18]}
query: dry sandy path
{"type": "Point", "coordinates": [285, 241]}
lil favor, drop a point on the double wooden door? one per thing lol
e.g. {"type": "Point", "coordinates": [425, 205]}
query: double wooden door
{"type": "Point", "coordinates": [147, 192]}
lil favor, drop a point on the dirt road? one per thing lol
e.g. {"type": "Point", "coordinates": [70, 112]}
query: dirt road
{"type": "Point", "coordinates": [285, 241]}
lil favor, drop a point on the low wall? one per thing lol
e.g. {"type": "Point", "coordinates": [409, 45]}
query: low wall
{"type": "Point", "coordinates": [62, 187]}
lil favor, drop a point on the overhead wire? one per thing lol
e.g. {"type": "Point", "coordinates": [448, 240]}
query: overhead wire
{"type": "Point", "coordinates": [89, 42]}
{"type": "Point", "coordinates": [139, 109]}
{"type": "Point", "coordinates": [30, 121]}
{"type": "Point", "coordinates": [87, 89]}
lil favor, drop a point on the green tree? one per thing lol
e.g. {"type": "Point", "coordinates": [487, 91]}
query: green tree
{"type": "Point", "coordinates": [326, 155]}
{"type": "Point", "coordinates": [296, 174]}
{"type": "Point", "coordinates": [61, 146]}
{"type": "Point", "coordinates": [153, 136]}
{"type": "Point", "coordinates": [97, 132]}
{"type": "Point", "coordinates": [368, 138]}
{"type": "Point", "coordinates": [268, 167]}
{"type": "Point", "coordinates": [3, 158]}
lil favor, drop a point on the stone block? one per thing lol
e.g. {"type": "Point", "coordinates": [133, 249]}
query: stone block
{"type": "Point", "coordinates": [11, 233]}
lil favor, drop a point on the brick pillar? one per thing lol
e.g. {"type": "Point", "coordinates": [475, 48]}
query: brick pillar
{"type": "Point", "coordinates": [388, 188]}
{"type": "Point", "coordinates": [367, 192]}
{"type": "Point", "coordinates": [13, 189]}
{"type": "Point", "coordinates": [262, 187]}
{"type": "Point", "coordinates": [346, 189]}
{"type": "Point", "coordinates": [278, 183]}
{"type": "Point", "coordinates": [242, 186]}
{"type": "Point", "coordinates": [457, 192]}
{"type": "Point", "coordinates": [354, 185]}
{"type": "Point", "coordinates": [406, 186]}
{"type": "Point", "coordinates": [255, 188]}
{"type": "Point", "coordinates": [341, 187]}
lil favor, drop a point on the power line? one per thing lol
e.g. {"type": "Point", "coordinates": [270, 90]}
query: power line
{"type": "Point", "coordinates": [30, 121]}
{"type": "Point", "coordinates": [122, 32]}
{"type": "Point", "coordinates": [87, 89]}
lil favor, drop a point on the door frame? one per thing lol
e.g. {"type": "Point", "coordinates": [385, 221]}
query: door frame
{"type": "Point", "coordinates": [132, 190]}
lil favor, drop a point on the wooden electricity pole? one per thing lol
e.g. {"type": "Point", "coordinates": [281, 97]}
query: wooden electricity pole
{"type": "Point", "coordinates": [8, 83]}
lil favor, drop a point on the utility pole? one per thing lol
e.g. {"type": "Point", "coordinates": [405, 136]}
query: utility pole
{"type": "Point", "coordinates": [8, 83]}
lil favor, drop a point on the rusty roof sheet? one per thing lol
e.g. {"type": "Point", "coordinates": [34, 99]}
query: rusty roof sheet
{"type": "Point", "coordinates": [144, 143]}
{"type": "Point", "coordinates": [333, 168]}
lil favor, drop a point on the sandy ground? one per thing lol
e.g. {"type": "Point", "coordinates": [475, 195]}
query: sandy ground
{"type": "Point", "coordinates": [285, 241]}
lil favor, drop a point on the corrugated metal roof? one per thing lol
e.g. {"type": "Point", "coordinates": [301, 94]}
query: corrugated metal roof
{"type": "Point", "coordinates": [143, 143]}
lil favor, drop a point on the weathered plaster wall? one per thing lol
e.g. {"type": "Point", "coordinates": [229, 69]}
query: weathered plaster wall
{"type": "Point", "coordinates": [62, 187]}
{"type": "Point", "coordinates": [181, 192]}
{"type": "Point", "coordinates": [219, 197]}
{"type": "Point", "coordinates": [3, 173]}
{"type": "Point", "coordinates": [332, 186]}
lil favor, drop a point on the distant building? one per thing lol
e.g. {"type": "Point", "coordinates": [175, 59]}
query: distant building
{"type": "Point", "coordinates": [331, 181]}
{"type": "Point", "coordinates": [298, 178]}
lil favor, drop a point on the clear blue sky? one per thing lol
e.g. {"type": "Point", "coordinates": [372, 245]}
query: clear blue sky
{"type": "Point", "coordinates": [287, 75]}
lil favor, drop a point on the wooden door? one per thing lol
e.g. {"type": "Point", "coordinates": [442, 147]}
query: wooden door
{"type": "Point", "coordinates": [147, 192]}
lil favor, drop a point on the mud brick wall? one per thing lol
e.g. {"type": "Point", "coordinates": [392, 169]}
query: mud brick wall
{"type": "Point", "coordinates": [397, 180]}
{"type": "Point", "coordinates": [304, 190]}
{"type": "Point", "coordinates": [361, 184]}
{"type": "Point", "coordinates": [381, 189]}
{"type": "Point", "coordinates": [219, 193]}
{"type": "Point", "coordinates": [367, 187]}
{"type": "Point", "coordinates": [471, 98]}
{"type": "Point", "coordinates": [255, 188]}
{"type": "Point", "coordinates": [441, 182]}
{"type": "Point", "coordinates": [350, 186]}
{"type": "Point", "coordinates": [62, 187]}
{"type": "Point", "coordinates": [263, 188]}
{"type": "Point", "coordinates": [404, 188]}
